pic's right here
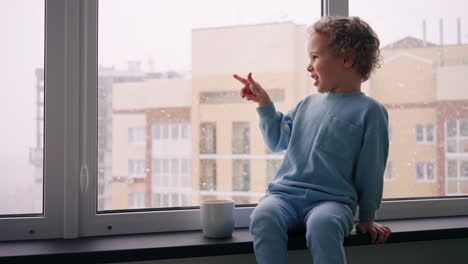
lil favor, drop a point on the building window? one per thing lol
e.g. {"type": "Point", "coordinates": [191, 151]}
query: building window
{"type": "Point", "coordinates": [208, 138]}
{"type": "Point", "coordinates": [208, 175]}
{"type": "Point", "coordinates": [272, 168]}
{"type": "Point", "coordinates": [241, 175]}
{"type": "Point", "coordinates": [452, 170]}
{"type": "Point", "coordinates": [164, 131]}
{"type": "Point", "coordinates": [240, 138]}
{"type": "Point", "coordinates": [137, 200]}
{"type": "Point", "coordinates": [425, 172]}
{"type": "Point", "coordinates": [186, 169]}
{"type": "Point", "coordinates": [464, 170]}
{"type": "Point", "coordinates": [137, 168]}
{"type": "Point", "coordinates": [157, 169]}
{"type": "Point", "coordinates": [228, 97]}
{"type": "Point", "coordinates": [425, 133]}
{"type": "Point", "coordinates": [172, 173]}
{"type": "Point", "coordinates": [241, 199]}
{"type": "Point", "coordinates": [430, 133]}
{"type": "Point", "coordinates": [185, 130]}
{"type": "Point", "coordinates": [464, 127]}
{"type": "Point", "coordinates": [137, 135]}
{"type": "Point", "coordinates": [156, 132]}
{"type": "Point", "coordinates": [175, 201]}
{"type": "Point", "coordinates": [175, 131]}
{"type": "Point", "coordinates": [457, 176]}
{"type": "Point", "coordinates": [388, 175]}
{"type": "Point", "coordinates": [456, 151]}
{"type": "Point", "coordinates": [451, 128]}
{"type": "Point", "coordinates": [175, 173]}
{"type": "Point", "coordinates": [165, 173]}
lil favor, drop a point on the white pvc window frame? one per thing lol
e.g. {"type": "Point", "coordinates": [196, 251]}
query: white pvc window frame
{"type": "Point", "coordinates": [457, 156]}
{"type": "Point", "coordinates": [60, 192]}
{"type": "Point", "coordinates": [70, 178]}
{"type": "Point", "coordinates": [178, 220]}
{"type": "Point", "coordinates": [425, 134]}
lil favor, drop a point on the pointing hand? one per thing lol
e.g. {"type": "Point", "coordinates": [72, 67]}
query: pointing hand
{"type": "Point", "coordinates": [252, 90]}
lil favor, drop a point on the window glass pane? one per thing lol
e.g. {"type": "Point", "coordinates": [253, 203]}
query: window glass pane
{"type": "Point", "coordinates": [165, 131]}
{"type": "Point", "coordinates": [430, 171]}
{"type": "Point", "coordinates": [208, 175]}
{"type": "Point", "coordinates": [208, 138]}
{"type": "Point", "coordinates": [430, 133]}
{"type": "Point", "coordinates": [22, 107]}
{"type": "Point", "coordinates": [241, 175]}
{"type": "Point", "coordinates": [175, 173]}
{"type": "Point", "coordinates": [137, 135]}
{"type": "Point", "coordinates": [175, 131]}
{"type": "Point", "coordinates": [463, 146]}
{"type": "Point", "coordinates": [272, 168]}
{"type": "Point", "coordinates": [452, 187]}
{"type": "Point", "coordinates": [240, 138]}
{"type": "Point", "coordinates": [464, 186]}
{"type": "Point", "coordinates": [156, 132]}
{"type": "Point", "coordinates": [464, 169]}
{"type": "Point", "coordinates": [452, 169]}
{"type": "Point", "coordinates": [419, 133]}
{"type": "Point", "coordinates": [185, 131]}
{"type": "Point", "coordinates": [424, 59]}
{"type": "Point", "coordinates": [390, 133]}
{"type": "Point", "coordinates": [451, 128]}
{"type": "Point", "coordinates": [165, 173]}
{"type": "Point", "coordinates": [137, 168]}
{"type": "Point", "coordinates": [156, 173]}
{"type": "Point", "coordinates": [451, 146]}
{"type": "Point", "coordinates": [420, 171]}
{"type": "Point", "coordinates": [185, 165]}
{"type": "Point", "coordinates": [174, 75]}
{"type": "Point", "coordinates": [388, 175]}
{"type": "Point", "coordinates": [464, 128]}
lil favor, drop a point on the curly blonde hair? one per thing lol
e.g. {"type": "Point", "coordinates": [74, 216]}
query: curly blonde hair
{"type": "Point", "coordinates": [351, 34]}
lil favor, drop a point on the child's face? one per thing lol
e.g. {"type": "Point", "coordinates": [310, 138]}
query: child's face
{"type": "Point", "coordinates": [325, 67]}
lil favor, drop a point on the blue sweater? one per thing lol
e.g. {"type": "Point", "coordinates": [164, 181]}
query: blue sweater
{"type": "Point", "coordinates": [336, 144]}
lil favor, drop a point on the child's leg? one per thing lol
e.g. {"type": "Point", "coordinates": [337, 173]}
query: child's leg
{"type": "Point", "coordinates": [270, 222]}
{"type": "Point", "coordinates": [328, 223]}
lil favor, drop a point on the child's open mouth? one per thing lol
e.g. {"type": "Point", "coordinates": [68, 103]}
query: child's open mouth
{"type": "Point", "coordinates": [315, 77]}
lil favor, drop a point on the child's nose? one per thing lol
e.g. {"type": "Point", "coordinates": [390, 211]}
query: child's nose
{"type": "Point", "coordinates": [309, 68]}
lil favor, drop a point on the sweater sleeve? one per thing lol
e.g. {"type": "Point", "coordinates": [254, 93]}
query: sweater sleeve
{"type": "Point", "coordinates": [275, 126]}
{"type": "Point", "coordinates": [371, 163]}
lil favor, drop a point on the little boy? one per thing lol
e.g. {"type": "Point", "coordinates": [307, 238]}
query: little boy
{"type": "Point", "coordinates": [337, 148]}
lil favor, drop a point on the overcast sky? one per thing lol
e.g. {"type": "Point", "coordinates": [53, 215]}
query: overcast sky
{"type": "Point", "coordinates": [161, 30]}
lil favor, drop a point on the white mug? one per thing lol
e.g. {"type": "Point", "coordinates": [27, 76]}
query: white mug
{"type": "Point", "coordinates": [217, 218]}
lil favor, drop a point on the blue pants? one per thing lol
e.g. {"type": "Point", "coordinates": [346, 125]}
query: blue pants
{"type": "Point", "coordinates": [327, 223]}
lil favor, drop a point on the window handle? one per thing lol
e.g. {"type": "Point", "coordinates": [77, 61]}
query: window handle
{"type": "Point", "coordinates": [84, 178]}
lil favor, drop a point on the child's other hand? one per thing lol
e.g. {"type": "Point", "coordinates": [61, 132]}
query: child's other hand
{"type": "Point", "coordinates": [252, 90]}
{"type": "Point", "coordinates": [378, 233]}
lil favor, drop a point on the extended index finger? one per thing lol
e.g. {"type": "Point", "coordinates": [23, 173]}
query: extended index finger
{"type": "Point", "coordinates": [240, 79]}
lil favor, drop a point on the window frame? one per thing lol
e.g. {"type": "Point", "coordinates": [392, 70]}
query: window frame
{"type": "Point", "coordinates": [425, 134]}
{"type": "Point", "coordinates": [61, 157]}
{"type": "Point", "coordinates": [425, 171]}
{"type": "Point", "coordinates": [70, 197]}
{"type": "Point", "coordinates": [178, 220]}
{"type": "Point", "coordinates": [137, 136]}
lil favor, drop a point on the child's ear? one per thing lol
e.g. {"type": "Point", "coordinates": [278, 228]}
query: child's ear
{"type": "Point", "coordinates": [349, 58]}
